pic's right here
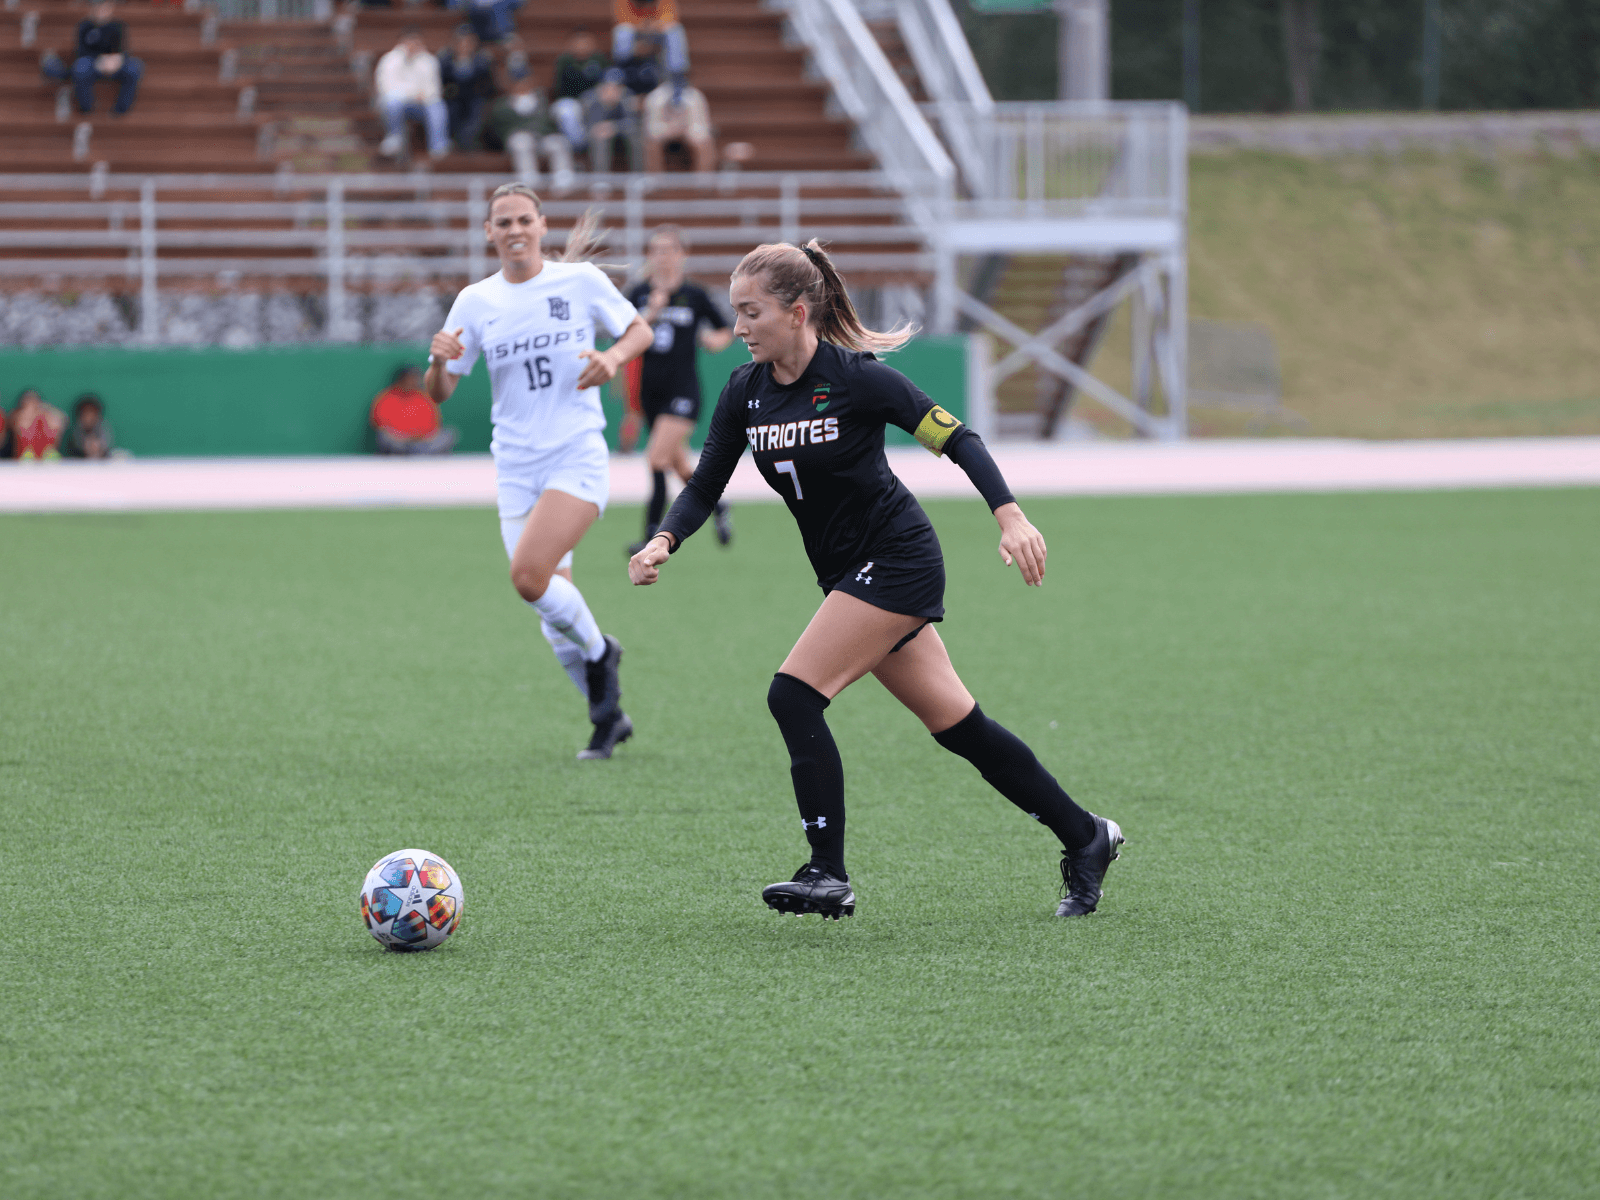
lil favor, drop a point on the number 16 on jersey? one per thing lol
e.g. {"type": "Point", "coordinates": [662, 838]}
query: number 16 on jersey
{"type": "Point", "coordinates": [544, 378]}
{"type": "Point", "coordinates": [786, 467]}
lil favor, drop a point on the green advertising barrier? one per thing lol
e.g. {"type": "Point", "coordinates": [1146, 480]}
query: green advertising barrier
{"type": "Point", "coordinates": [315, 399]}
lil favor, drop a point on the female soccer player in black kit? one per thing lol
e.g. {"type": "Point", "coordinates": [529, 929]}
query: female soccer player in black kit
{"type": "Point", "coordinates": [676, 309]}
{"type": "Point", "coordinates": [812, 406]}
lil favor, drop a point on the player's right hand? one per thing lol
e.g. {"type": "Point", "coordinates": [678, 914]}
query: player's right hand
{"type": "Point", "coordinates": [447, 345]}
{"type": "Point", "coordinates": [642, 567]}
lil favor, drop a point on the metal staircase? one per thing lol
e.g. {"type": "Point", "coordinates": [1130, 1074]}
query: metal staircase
{"type": "Point", "coordinates": [1088, 197]}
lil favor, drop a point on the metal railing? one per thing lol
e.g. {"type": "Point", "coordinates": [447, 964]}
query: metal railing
{"type": "Point", "coordinates": [873, 97]}
{"type": "Point", "coordinates": [273, 10]}
{"type": "Point", "coordinates": [1073, 159]}
{"type": "Point", "coordinates": [358, 230]}
{"type": "Point", "coordinates": [950, 77]}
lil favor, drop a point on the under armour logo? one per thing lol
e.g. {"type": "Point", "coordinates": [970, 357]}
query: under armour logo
{"type": "Point", "coordinates": [862, 576]}
{"type": "Point", "coordinates": [819, 823]}
{"type": "Point", "coordinates": [558, 309]}
{"type": "Point", "coordinates": [756, 403]}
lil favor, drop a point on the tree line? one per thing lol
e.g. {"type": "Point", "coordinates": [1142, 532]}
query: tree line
{"type": "Point", "coordinates": [1287, 55]}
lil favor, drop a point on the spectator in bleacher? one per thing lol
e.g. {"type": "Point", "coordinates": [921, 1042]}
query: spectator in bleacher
{"type": "Point", "coordinates": [642, 71]}
{"type": "Point", "coordinates": [491, 19]}
{"type": "Point", "coordinates": [405, 420]}
{"type": "Point", "coordinates": [408, 87]}
{"type": "Point", "coordinates": [656, 19]}
{"type": "Point", "coordinates": [514, 55]}
{"type": "Point", "coordinates": [88, 436]}
{"type": "Point", "coordinates": [607, 119]}
{"type": "Point", "coordinates": [520, 123]}
{"type": "Point", "coordinates": [579, 70]}
{"type": "Point", "coordinates": [101, 53]}
{"type": "Point", "coordinates": [466, 77]}
{"type": "Point", "coordinates": [35, 426]}
{"type": "Point", "coordinates": [677, 112]}
{"type": "Point", "coordinates": [579, 67]}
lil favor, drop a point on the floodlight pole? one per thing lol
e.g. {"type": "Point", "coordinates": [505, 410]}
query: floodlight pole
{"type": "Point", "coordinates": [1083, 49]}
{"type": "Point", "coordinates": [1430, 54]}
{"type": "Point", "coordinates": [1191, 54]}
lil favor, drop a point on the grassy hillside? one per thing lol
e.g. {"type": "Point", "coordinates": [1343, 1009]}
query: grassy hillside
{"type": "Point", "coordinates": [1412, 296]}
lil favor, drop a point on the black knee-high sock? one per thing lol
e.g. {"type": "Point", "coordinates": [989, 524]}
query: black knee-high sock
{"type": "Point", "coordinates": [658, 503]}
{"type": "Point", "coordinates": [814, 766]}
{"type": "Point", "coordinates": [1005, 761]}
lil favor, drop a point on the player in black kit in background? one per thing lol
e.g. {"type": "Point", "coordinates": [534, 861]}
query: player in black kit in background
{"type": "Point", "coordinates": [813, 405]}
{"type": "Point", "coordinates": [681, 314]}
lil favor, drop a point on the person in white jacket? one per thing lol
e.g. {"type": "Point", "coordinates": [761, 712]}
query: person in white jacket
{"type": "Point", "coordinates": [407, 83]}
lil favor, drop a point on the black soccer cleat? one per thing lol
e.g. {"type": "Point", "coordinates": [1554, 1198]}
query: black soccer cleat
{"type": "Point", "coordinates": [812, 890]}
{"type": "Point", "coordinates": [608, 737]}
{"type": "Point", "coordinates": [605, 689]}
{"type": "Point", "coordinates": [722, 517]}
{"type": "Point", "coordinates": [1083, 871]}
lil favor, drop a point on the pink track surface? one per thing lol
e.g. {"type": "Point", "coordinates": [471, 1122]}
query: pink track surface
{"type": "Point", "coordinates": [1275, 465]}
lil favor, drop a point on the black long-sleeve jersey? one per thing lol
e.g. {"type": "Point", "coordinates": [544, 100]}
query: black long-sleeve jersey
{"type": "Point", "coordinates": [818, 442]}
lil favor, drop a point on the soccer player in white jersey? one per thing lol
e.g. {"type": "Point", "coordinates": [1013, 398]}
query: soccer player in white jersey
{"type": "Point", "coordinates": [533, 322]}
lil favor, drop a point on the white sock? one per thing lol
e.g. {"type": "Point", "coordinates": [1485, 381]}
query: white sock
{"type": "Point", "coordinates": [568, 655]}
{"type": "Point", "coordinates": [562, 605]}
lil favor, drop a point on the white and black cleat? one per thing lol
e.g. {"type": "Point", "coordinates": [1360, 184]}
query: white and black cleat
{"type": "Point", "coordinates": [1083, 872]}
{"type": "Point", "coordinates": [812, 890]}
{"type": "Point", "coordinates": [608, 737]}
{"type": "Point", "coordinates": [605, 687]}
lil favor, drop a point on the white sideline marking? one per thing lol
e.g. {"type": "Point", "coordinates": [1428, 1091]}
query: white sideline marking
{"type": "Point", "coordinates": [1098, 469]}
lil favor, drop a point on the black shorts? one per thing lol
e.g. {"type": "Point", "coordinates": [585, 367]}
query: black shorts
{"type": "Point", "coordinates": [915, 589]}
{"type": "Point", "coordinates": [678, 401]}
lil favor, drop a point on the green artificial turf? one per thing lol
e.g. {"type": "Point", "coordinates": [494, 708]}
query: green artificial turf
{"type": "Point", "coordinates": [1352, 948]}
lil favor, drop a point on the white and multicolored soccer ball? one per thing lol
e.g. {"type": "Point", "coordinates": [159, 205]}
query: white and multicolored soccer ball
{"type": "Point", "coordinates": [412, 900]}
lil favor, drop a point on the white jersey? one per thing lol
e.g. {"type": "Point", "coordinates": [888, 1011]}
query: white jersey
{"type": "Point", "coordinates": [530, 335]}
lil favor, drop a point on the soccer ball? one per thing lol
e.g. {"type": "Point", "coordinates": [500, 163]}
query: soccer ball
{"type": "Point", "coordinates": [412, 900]}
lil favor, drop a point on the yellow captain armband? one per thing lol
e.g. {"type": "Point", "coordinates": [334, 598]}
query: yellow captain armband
{"type": "Point", "coordinates": [936, 429]}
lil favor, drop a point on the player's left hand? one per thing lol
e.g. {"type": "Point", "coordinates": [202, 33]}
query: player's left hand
{"type": "Point", "coordinates": [1021, 543]}
{"type": "Point", "coordinates": [602, 368]}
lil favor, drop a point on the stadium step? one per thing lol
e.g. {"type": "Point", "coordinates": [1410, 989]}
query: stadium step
{"type": "Point", "coordinates": [1033, 291]}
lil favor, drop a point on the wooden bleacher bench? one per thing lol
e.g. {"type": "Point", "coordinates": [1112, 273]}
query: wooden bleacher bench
{"type": "Point", "coordinates": [255, 100]}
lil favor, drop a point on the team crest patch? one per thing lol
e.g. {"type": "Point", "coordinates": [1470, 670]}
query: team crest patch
{"type": "Point", "coordinates": [559, 311]}
{"type": "Point", "coordinates": [936, 429]}
{"type": "Point", "coordinates": [819, 396]}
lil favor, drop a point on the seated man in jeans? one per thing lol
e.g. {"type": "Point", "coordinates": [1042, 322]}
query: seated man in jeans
{"type": "Point", "coordinates": [405, 420]}
{"type": "Point", "coordinates": [520, 123]}
{"type": "Point", "coordinates": [102, 53]}
{"type": "Point", "coordinates": [491, 20]}
{"type": "Point", "coordinates": [606, 118]}
{"type": "Point", "coordinates": [676, 112]}
{"type": "Point", "coordinates": [408, 87]}
{"type": "Point", "coordinates": [466, 75]}
{"type": "Point", "coordinates": [653, 18]}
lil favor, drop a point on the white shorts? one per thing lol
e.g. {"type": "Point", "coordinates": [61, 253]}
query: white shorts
{"type": "Point", "coordinates": [581, 468]}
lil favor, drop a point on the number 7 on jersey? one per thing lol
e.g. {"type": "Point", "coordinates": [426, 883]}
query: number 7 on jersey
{"type": "Point", "coordinates": [786, 467]}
